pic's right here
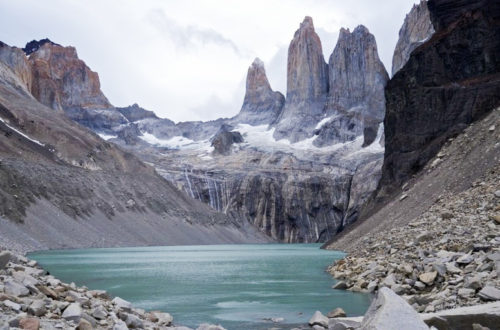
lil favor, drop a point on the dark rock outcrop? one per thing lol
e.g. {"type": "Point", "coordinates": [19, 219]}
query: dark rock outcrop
{"type": "Point", "coordinates": [134, 113]}
{"type": "Point", "coordinates": [449, 82]}
{"type": "Point", "coordinates": [357, 80]}
{"type": "Point", "coordinates": [223, 140]}
{"type": "Point", "coordinates": [34, 45]}
{"type": "Point", "coordinates": [417, 29]}
{"type": "Point", "coordinates": [307, 85]}
{"type": "Point", "coordinates": [261, 105]}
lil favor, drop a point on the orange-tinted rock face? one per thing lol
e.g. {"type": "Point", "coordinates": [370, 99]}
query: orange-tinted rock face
{"type": "Point", "coordinates": [15, 59]}
{"type": "Point", "coordinates": [62, 81]}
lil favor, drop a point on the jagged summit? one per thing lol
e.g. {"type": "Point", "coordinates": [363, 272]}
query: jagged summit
{"type": "Point", "coordinates": [34, 45]}
{"type": "Point", "coordinates": [261, 104]}
{"type": "Point", "coordinates": [307, 84]}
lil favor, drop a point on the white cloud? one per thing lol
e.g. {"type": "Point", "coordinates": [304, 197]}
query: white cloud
{"type": "Point", "coordinates": [186, 59]}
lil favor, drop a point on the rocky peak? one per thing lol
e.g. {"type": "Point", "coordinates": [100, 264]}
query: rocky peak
{"type": "Point", "coordinates": [307, 72]}
{"type": "Point", "coordinates": [357, 78]}
{"type": "Point", "coordinates": [307, 85]}
{"type": "Point", "coordinates": [261, 104]}
{"type": "Point", "coordinates": [134, 113]}
{"type": "Point", "coordinates": [416, 29]}
{"type": "Point", "coordinates": [63, 81]}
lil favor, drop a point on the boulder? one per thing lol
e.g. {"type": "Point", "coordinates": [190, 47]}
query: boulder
{"type": "Point", "coordinates": [340, 285]}
{"type": "Point", "coordinates": [122, 304]}
{"type": "Point", "coordinates": [489, 293]}
{"type": "Point", "coordinates": [488, 315]}
{"type": "Point", "coordinates": [15, 289]}
{"type": "Point", "coordinates": [164, 319]}
{"type": "Point", "coordinates": [12, 305]}
{"type": "Point", "coordinates": [428, 278]}
{"type": "Point", "coordinates": [99, 313]}
{"type": "Point", "coordinates": [337, 312]}
{"type": "Point", "coordinates": [84, 325]}
{"type": "Point", "coordinates": [319, 319]}
{"type": "Point", "coordinates": [4, 259]}
{"type": "Point", "coordinates": [29, 323]}
{"type": "Point", "coordinates": [391, 312]}
{"type": "Point", "coordinates": [73, 313]}
{"type": "Point", "coordinates": [37, 308]}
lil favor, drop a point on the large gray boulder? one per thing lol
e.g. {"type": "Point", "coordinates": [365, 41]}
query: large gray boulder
{"type": "Point", "coordinates": [462, 318]}
{"type": "Point", "coordinates": [73, 313]}
{"type": "Point", "coordinates": [390, 312]}
{"type": "Point", "coordinates": [15, 289]}
{"type": "Point", "coordinates": [4, 258]}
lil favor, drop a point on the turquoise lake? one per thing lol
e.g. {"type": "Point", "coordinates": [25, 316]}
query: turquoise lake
{"type": "Point", "coordinates": [237, 286]}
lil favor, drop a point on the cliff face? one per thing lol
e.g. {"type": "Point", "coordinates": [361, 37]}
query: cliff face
{"type": "Point", "coordinates": [449, 82]}
{"type": "Point", "coordinates": [16, 61]}
{"type": "Point", "coordinates": [357, 77]}
{"type": "Point", "coordinates": [417, 29]}
{"type": "Point", "coordinates": [307, 85]}
{"type": "Point", "coordinates": [63, 82]}
{"type": "Point", "coordinates": [261, 105]}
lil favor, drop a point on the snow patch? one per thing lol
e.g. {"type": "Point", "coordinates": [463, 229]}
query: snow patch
{"type": "Point", "coordinates": [106, 136]}
{"type": "Point", "coordinates": [22, 134]}
{"type": "Point", "coordinates": [323, 122]}
{"type": "Point", "coordinates": [178, 142]}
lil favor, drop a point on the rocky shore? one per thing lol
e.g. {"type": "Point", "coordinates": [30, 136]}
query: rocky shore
{"type": "Point", "coordinates": [446, 258]}
{"type": "Point", "coordinates": [32, 299]}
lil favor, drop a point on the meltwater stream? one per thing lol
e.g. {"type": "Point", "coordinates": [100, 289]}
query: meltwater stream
{"type": "Point", "coordinates": [237, 286]}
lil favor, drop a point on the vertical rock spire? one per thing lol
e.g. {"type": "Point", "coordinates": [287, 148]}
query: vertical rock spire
{"type": "Point", "coordinates": [307, 84]}
{"type": "Point", "coordinates": [261, 104]}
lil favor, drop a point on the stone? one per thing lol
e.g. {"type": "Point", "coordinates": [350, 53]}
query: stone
{"type": "Point", "coordinates": [37, 308]}
{"type": "Point", "coordinates": [120, 325]}
{"type": "Point", "coordinates": [496, 218]}
{"type": "Point", "coordinates": [48, 292]}
{"type": "Point", "coordinates": [465, 259]}
{"type": "Point", "coordinates": [84, 325]}
{"type": "Point", "coordinates": [99, 313]}
{"type": "Point", "coordinates": [473, 282]}
{"type": "Point", "coordinates": [319, 319]}
{"type": "Point", "coordinates": [425, 236]}
{"type": "Point", "coordinates": [4, 259]}
{"type": "Point", "coordinates": [389, 311]}
{"type": "Point", "coordinates": [497, 193]}
{"type": "Point", "coordinates": [29, 323]}
{"type": "Point", "coordinates": [72, 313]}
{"type": "Point", "coordinates": [132, 321]}
{"type": "Point", "coordinates": [15, 289]}
{"type": "Point", "coordinates": [466, 293]}
{"type": "Point", "coordinates": [344, 323]}
{"type": "Point", "coordinates": [340, 285]}
{"type": "Point", "coordinates": [337, 312]}
{"type": "Point", "coordinates": [164, 319]}
{"type": "Point", "coordinates": [224, 139]}
{"type": "Point", "coordinates": [12, 305]}
{"type": "Point", "coordinates": [428, 278]}
{"type": "Point", "coordinates": [452, 269]}
{"type": "Point", "coordinates": [489, 293]}
{"type": "Point", "coordinates": [122, 304]}
{"type": "Point", "coordinates": [389, 281]}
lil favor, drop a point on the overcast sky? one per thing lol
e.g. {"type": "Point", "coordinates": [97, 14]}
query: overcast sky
{"type": "Point", "coordinates": [187, 60]}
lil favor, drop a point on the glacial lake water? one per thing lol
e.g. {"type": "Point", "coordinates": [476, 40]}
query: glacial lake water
{"type": "Point", "coordinates": [237, 286]}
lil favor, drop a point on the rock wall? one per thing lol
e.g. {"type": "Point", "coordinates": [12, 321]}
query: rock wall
{"type": "Point", "coordinates": [417, 29]}
{"type": "Point", "coordinates": [450, 81]}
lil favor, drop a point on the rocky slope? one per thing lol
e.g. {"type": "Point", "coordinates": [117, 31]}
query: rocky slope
{"type": "Point", "coordinates": [417, 29]}
{"type": "Point", "coordinates": [30, 298]}
{"type": "Point", "coordinates": [58, 179]}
